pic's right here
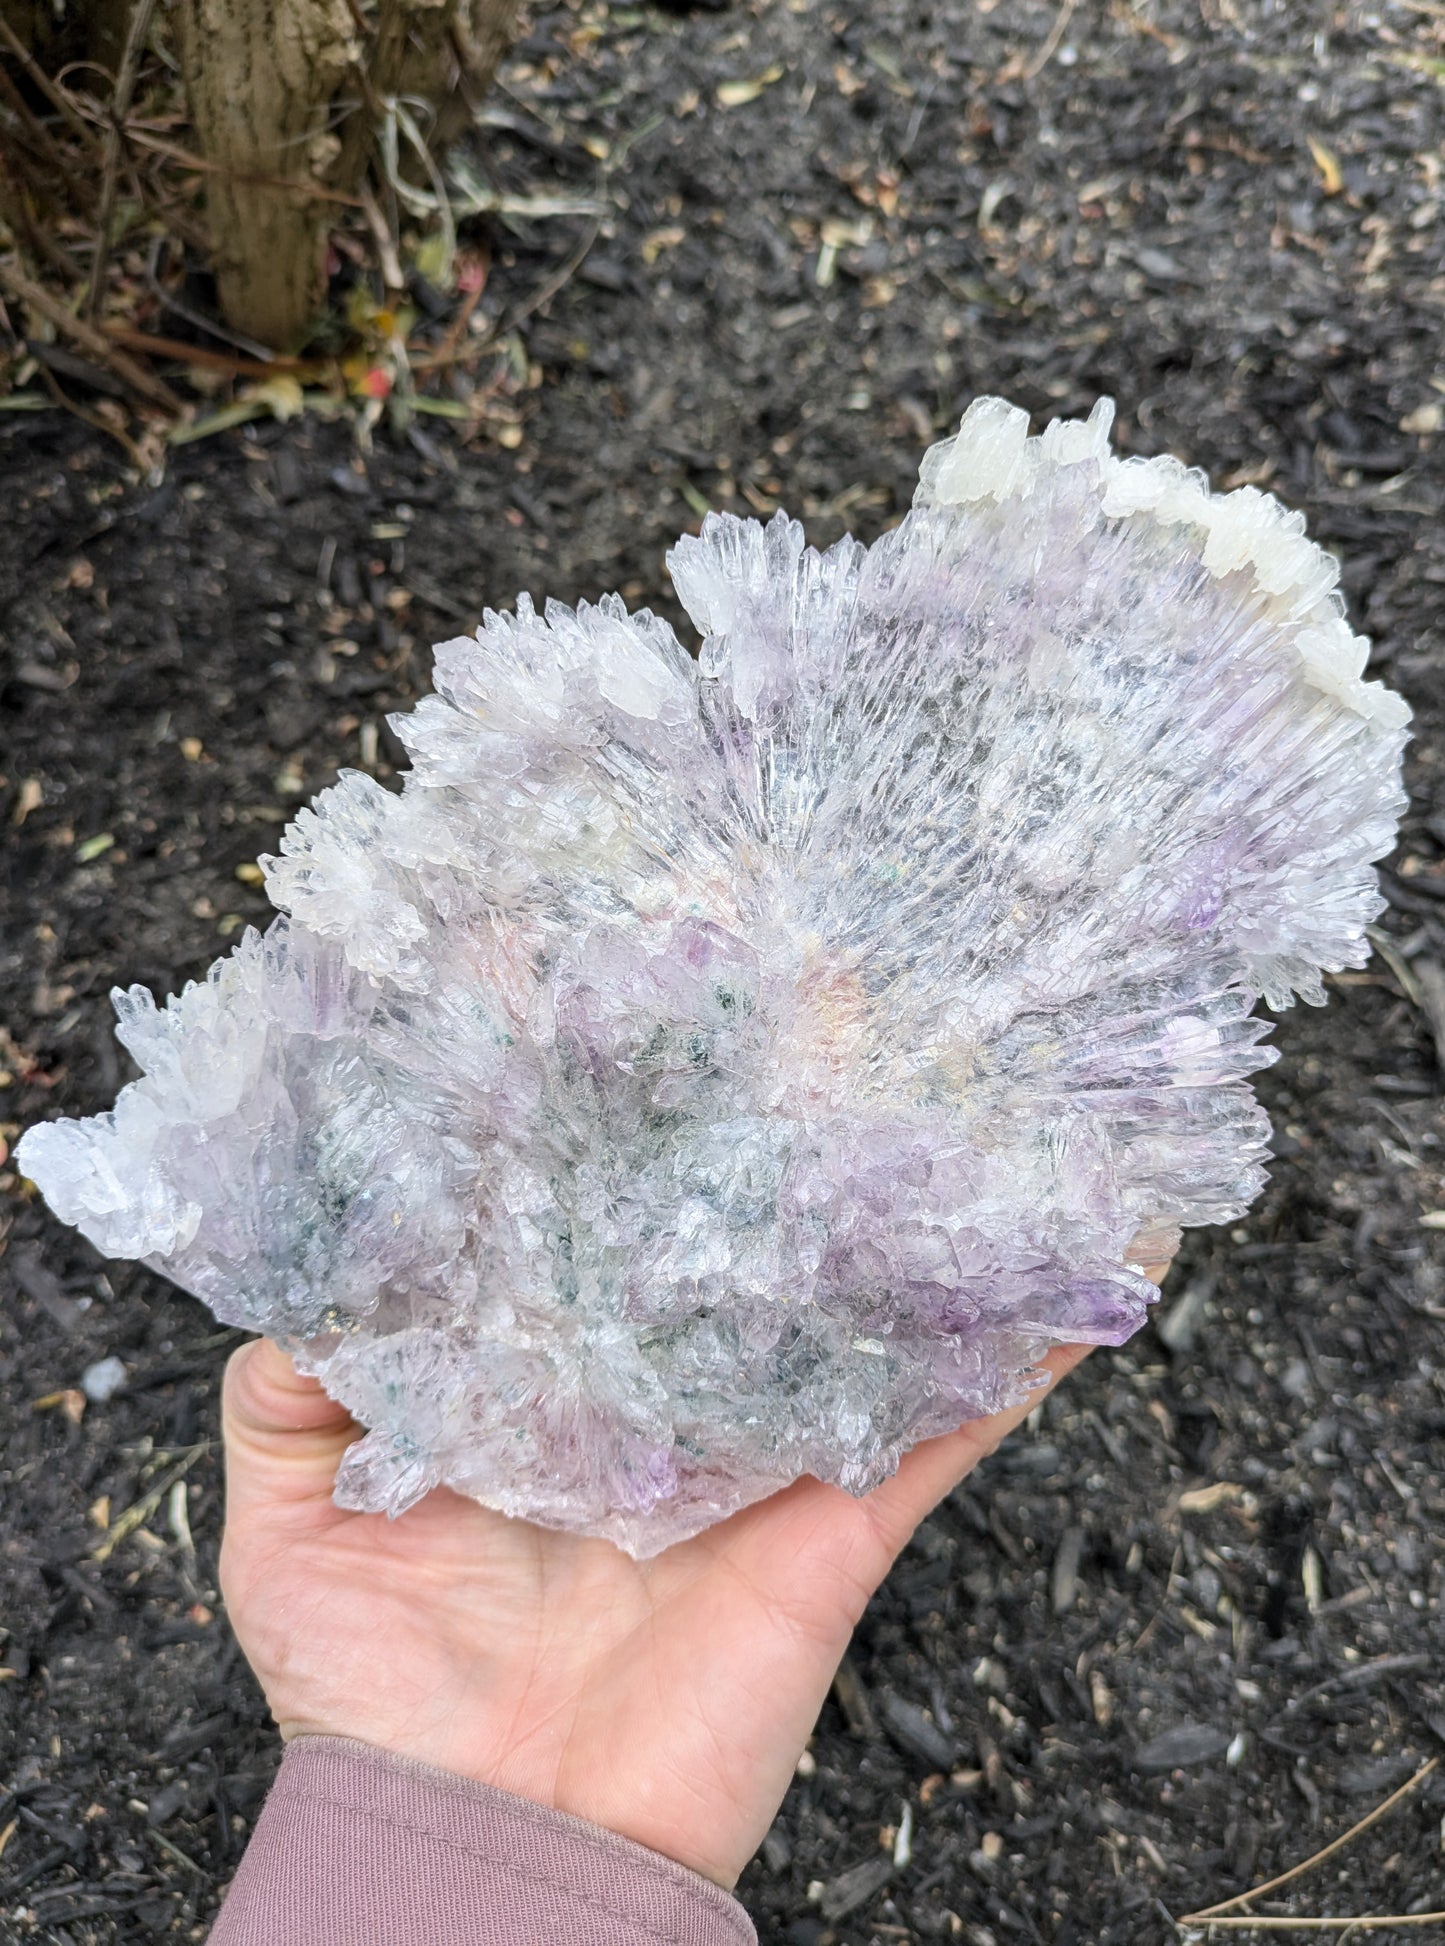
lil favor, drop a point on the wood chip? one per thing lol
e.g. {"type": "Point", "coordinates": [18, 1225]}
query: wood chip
{"type": "Point", "coordinates": [1204, 1500]}
{"type": "Point", "coordinates": [29, 797]}
{"type": "Point", "coordinates": [1327, 162]}
{"type": "Point", "coordinates": [735, 94]}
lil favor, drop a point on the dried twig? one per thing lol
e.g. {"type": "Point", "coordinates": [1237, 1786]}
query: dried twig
{"type": "Point", "coordinates": [473, 197]}
{"type": "Point", "coordinates": [212, 327]}
{"type": "Point", "coordinates": [408, 127]}
{"type": "Point", "coordinates": [308, 189]}
{"type": "Point", "coordinates": [549, 286]}
{"type": "Point", "coordinates": [125, 80]}
{"type": "Point", "coordinates": [230, 362]}
{"type": "Point", "coordinates": [1207, 1916]}
{"type": "Point", "coordinates": [105, 427]}
{"type": "Point", "coordinates": [1051, 44]}
{"type": "Point", "coordinates": [1397, 963]}
{"type": "Point", "coordinates": [1430, 986]}
{"type": "Point", "coordinates": [392, 274]}
{"type": "Point", "coordinates": [137, 1515]}
{"type": "Point", "coordinates": [174, 1851]}
{"type": "Point", "coordinates": [1422, 982]}
{"type": "Point", "coordinates": [1372, 1922]}
{"type": "Point", "coordinates": [34, 238]}
{"type": "Point", "coordinates": [509, 321]}
{"type": "Point", "coordinates": [471, 297]}
{"type": "Point", "coordinates": [1152, 1625]}
{"type": "Point", "coordinates": [57, 96]}
{"type": "Point", "coordinates": [135, 377]}
{"type": "Point", "coordinates": [24, 123]}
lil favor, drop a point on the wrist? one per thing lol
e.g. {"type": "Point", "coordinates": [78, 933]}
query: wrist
{"type": "Point", "coordinates": [590, 1794]}
{"type": "Point", "coordinates": [354, 1836]}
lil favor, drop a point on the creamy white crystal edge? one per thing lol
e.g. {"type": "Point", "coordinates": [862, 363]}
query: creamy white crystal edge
{"type": "Point", "coordinates": [993, 458]}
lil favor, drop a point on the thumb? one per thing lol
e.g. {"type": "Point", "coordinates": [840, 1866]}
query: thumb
{"type": "Point", "coordinates": [283, 1436]}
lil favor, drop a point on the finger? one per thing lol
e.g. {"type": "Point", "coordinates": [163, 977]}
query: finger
{"type": "Point", "coordinates": [774, 1538]}
{"type": "Point", "coordinates": [284, 1437]}
{"type": "Point", "coordinates": [933, 1469]}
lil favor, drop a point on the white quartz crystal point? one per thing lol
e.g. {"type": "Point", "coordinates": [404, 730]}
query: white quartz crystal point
{"type": "Point", "coordinates": [991, 458]}
{"type": "Point", "coordinates": [706, 1072]}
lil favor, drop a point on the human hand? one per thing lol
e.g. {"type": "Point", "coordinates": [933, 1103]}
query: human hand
{"type": "Point", "coordinates": [667, 1700]}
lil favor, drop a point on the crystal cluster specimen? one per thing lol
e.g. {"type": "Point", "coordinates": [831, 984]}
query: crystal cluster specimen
{"type": "Point", "coordinates": [706, 1072]}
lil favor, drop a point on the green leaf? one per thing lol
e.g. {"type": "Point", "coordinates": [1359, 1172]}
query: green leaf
{"type": "Point", "coordinates": [442, 408]}
{"type": "Point", "coordinates": [222, 421]}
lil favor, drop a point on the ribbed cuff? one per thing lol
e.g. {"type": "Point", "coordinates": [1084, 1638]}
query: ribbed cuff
{"type": "Point", "coordinates": [358, 1848]}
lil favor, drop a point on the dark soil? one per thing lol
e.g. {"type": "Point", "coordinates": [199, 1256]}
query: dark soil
{"type": "Point", "coordinates": [1188, 1626]}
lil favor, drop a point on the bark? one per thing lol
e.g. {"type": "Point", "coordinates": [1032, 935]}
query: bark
{"type": "Point", "coordinates": [260, 76]}
{"type": "Point", "coordinates": [269, 81]}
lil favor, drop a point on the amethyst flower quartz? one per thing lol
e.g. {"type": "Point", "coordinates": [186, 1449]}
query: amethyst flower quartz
{"type": "Point", "coordinates": [705, 1072]}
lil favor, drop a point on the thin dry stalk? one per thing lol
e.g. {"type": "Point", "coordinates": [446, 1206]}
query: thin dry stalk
{"type": "Point", "coordinates": [140, 1512]}
{"type": "Point", "coordinates": [392, 274]}
{"type": "Point", "coordinates": [1430, 985]}
{"type": "Point", "coordinates": [1397, 963]}
{"type": "Point", "coordinates": [1151, 1627]}
{"type": "Point", "coordinates": [130, 60]}
{"type": "Point", "coordinates": [33, 237]}
{"type": "Point", "coordinates": [107, 428]}
{"type": "Point", "coordinates": [57, 96]}
{"type": "Point", "coordinates": [142, 137]}
{"type": "Point", "coordinates": [134, 377]}
{"type": "Point", "coordinates": [400, 118]}
{"type": "Point", "coordinates": [212, 327]}
{"type": "Point", "coordinates": [1373, 1922]}
{"type": "Point", "coordinates": [165, 203]}
{"type": "Point", "coordinates": [212, 361]}
{"type": "Point", "coordinates": [456, 331]}
{"type": "Point", "coordinates": [543, 294]}
{"type": "Point", "coordinates": [550, 286]}
{"type": "Point", "coordinates": [1318, 1858]}
{"type": "Point", "coordinates": [33, 131]}
{"type": "Point", "coordinates": [1051, 44]}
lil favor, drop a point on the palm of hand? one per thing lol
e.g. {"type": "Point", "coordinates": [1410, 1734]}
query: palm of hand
{"type": "Point", "coordinates": [667, 1699]}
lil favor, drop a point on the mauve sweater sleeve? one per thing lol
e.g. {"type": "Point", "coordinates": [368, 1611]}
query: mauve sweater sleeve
{"type": "Point", "coordinates": [358, 1848]}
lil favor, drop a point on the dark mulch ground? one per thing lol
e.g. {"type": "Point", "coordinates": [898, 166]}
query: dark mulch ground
{"type": "Point", "coordinates": [1188, 1627]}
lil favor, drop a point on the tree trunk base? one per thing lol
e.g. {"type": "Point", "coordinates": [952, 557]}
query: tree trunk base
{"type": "Point", "coordinates": [269, 81]}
